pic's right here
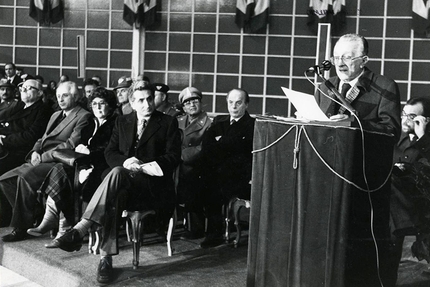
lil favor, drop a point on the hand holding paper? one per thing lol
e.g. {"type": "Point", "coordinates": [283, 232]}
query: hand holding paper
{"type": "Point", "coordinates": [152, 168]}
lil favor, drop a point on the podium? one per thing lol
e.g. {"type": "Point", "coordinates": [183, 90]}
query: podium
{"type": "Point", "coordinates": [310, 222]}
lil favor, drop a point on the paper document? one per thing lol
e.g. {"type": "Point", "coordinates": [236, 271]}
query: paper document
{"type": "Point", "coordinates": [152, 168]}
{"type": "Point", "coordinates": [306, 106]}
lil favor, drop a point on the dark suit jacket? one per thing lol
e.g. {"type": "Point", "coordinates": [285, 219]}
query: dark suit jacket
{"type": "Point", "coordinates": [378, 103]}
{"type": "Point", "coordinates": [16, 80]}
{"type": "Point", "coordinates": [229, 158]}
{"type": "Point", "coordinates": [160, 142]}
{"type": "Point", "coordinates": [6, 108]}
{"type": "Point", "coordinates": [405, 151]}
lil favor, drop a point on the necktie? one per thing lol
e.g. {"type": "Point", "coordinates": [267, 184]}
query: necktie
{"type": "Point", "coordinates": [232, 122]}
{"type": "Point", "coordinates": [140, 128]}
{"type": "Point", "coordinates": [344, 91]}
{"type": "Point", "coordinates": [60, 118]}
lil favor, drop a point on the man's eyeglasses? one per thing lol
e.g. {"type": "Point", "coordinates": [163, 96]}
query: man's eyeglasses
{"type": "Point", "coordinates": [345, 59]}
{"type": "Point", "coordinates": [97, 104]}
{"type": "Point", "coordinates": [191, 102]}
{"type": "Point", "coordinates": [26, 88]}
{"type": "Point", "coordinates": [409, 117]}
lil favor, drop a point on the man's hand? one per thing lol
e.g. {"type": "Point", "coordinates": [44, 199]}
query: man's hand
{"type": "Point", "coordinates": [132, 164]}
{"type": "Point", "coordinates": [82, 149]}
{"type": "Point", "coordinates": [420, 125]}
{"type": "Point", "coordinates": [35, 158]}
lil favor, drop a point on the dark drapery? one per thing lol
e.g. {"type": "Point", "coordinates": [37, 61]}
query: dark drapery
{"type": "Point", "coordinates": [308, 226]}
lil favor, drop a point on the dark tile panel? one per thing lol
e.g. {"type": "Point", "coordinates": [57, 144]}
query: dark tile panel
{"type": "Point", "coordinates": [6, 35]}
{"type": "Point", "coordinates": [99, 4]}
{"type": "Point", "coordinates": [228, 44]}
{"type": "Point", "coordinates": [205, 23]}
{"type": "Point", "coordinates": [253, 65]}
{"type": "Point", "coordinates": [421, 71]}
{"type": "Point", "coordinates": [50, 74]}
{"type": "Point", "coordinates": [177, 81]}
{"type": "Point", "coordinates": [25, 56]}
{"type": "Point", "coordinates": [228, 64]}
{"type": "Point", "coordinates": [75, 5]}
{"type": "Point", "coordinates": [375, 48]}
{"type": "Point", "coordinates": [70, 58]}
{"type": "Point", "coordinates": [398, 28]}
{"type": "Point", "coordinates": [206, 6]}
{"type": "Point", "coordinates": [91, 73]}
{"type": "Point", "coordinates": [203, 63]}
{"type": "Point", "coordinates": [302, 85]}
{"type": "Point", "coordinates": [280, 25]}
{"type": "Point", "coordinates": [226, 83]}
{"type": "Point", "coordinates": [23, 19]}
{"type": "Point", "coordinates": [180, 22]}
{"type": "Point", "coordinates": [277, 107]}
{"type": "Point", "coordinates": [374, 66]}
{"type": "Point", "coordinates": [97, 59]}
{"type": "Point", "coordinates": [305, 46]}
{"type": "Point", "coordinates": [227, 24]}
{"type": "Point", "coordinates": [50, 37]}
{"type": "Point", "coordinates": [419, 90]}
{"type": "Point", "coordinates": [49, 57]}
{"type": "Point", "coordinates": [396, 49]}
{"type": "Point", "coordinates": [181, 6]}
{"type": "Point", "coordinates": [6, 54]}
{"type": "Point", "coordinates": [71, 73]}
{"type": "Point", "coordinates": [396, 70]}
{"type": "Point", "coordinates": [155, 61]}
{"type": "Point", "coordinates": [98, 19]}
{"type": "Point", "coordinates": [255, 105]}
{"type": "Point", "coordinates": [300, 65]}
{"type": "Point", "coordinates": [282, 6]}
{"type": "Point", "coordinates": [253, 85]}
{"type": "Point", "coordinates": [278, 66]}
{"type": "Point", "coordinates": [117, 5]}
{"type": "Point", "coordinates": [204, 43]}
{"type": "Point", "coordinates": [207, 103]}
{"type": "Point", "coordinates": [74, 19]}
{"type": "Point", "coordinates": [274, 86]}
{"type": "Point", "coordinates": [202, 82]}
{"type": "Point", "coordinates": [9, 2]}
{"type": "Point", "coordinates": [254, 45]}
{"type": "Point", "coordinates": [403, 90]}
{"type": "Point", "coordinates": [122, 40]}
{"type": "Point", "coordinates": [227, 6]}
{"type": "Point", "coordinates": [221, 104]}
{"type": "Point", "coordinates": [156, 77]}
{"type": "Point", "coordinates": [98, 39]}
{"type": "Point", "coordinates": [6, 16]}
{"type": "Point", "coordinates": [180, 42]}
{"type": "Point", "coordinates": [179, 62]}
{"type": "Point", "coordinates": [399, 8]}
{"type": "Point", "coordinates": [371, 27]}
{"type": "Point", "coordinates": [279, 46]}
{"type": "Point", "coordinates": [120, 60]}
{"type": "Point", "coordinates": [160, 24]}
{"type": "Point", "coordinates": [118, 22]}
{"type": "Point", "coordinates": [421, 49]}
{"type": "Point", "coordinates": [26, 36]}
{"type": "Point", "coordinates": [302, 27]}
{"type": "Point", "coordinates": [69, 37]}
{"type": "Point", "coordinates": [372, 8]}
{"type": "Point", "coordinates": [156, 41]}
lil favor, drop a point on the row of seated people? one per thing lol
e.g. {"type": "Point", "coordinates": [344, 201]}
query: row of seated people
{"type": "Point", "coordinates": [131, 162]}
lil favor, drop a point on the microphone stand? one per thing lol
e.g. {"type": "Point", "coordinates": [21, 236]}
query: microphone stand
{"type": "Point", "coordinates": [333, 89]}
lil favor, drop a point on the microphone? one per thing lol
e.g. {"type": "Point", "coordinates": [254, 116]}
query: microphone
{"type": "Point", "coordinates": [324, 66]}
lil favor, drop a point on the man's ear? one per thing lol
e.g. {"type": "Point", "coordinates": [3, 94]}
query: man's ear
{"type": "Point", "coordinates": [365, 60]}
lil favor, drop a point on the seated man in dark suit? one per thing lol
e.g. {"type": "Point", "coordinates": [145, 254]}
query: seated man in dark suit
{"type": "Point", "coordinates": [227, 147]}
{"type": "Point", "coordinates": [19, 185]}
{"type": "Point", "coordinates": [144, 150]}
{"type": "Point", "coordinates": [11, 74]}
{"type": "Point", "coordinates": [22, 126]}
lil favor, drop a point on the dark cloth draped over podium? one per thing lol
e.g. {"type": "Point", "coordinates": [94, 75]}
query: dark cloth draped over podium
{"type": "Point", "coordinates": [308, 226]}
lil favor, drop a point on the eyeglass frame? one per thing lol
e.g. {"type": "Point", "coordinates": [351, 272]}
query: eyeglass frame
{"type": "Point", "coordinates": [345, 59]}
{"type": "Point", "coordinates": [97, 104]}
{"type": "Point", "coordinates": [409, 117]}
{"type": "Point", "coordinates": [26, 88]}
{"type": "Point", "coordinates": [192, 101]}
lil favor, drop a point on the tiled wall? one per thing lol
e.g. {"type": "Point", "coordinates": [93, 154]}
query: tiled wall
{"type": "Point", "coordinates": [197, 43]}
{"type": "Point", "coordinates": [51, 51]}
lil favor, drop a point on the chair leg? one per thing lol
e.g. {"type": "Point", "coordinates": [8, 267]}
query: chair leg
{"type": "Point", "coordinates": [172, 225]}
{"type": "Point", "coordinates": [227, 219]}
{"type": "Point", "coordinates": [134, 226]}
{"type": "Point", "coordinates": [238, 204]}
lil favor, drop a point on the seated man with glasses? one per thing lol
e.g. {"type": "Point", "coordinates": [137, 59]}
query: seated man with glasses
{"type": "Point", "coordinates": [410, 199]}
{"type": "Point", "coordinates": [19, 186]}
{"type": "Point", "coordinates": [375, 97]}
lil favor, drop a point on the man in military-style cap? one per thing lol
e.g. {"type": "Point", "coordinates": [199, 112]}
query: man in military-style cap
{"type": "Point", "coordinates": [161, 100]}
{"type": "Point", "coordinates": [7, 97]}
{"type": "Point", "coordinates": [192, 125]}
{"type": "Point", "coordinates": [122, 92]}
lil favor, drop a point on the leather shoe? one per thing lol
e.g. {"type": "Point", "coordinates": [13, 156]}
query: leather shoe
{"type": "Point", "coordinates": [53, 244]}
{"type": "Point", "coordinates": [70, 241]}
{"type": "Point", "coordinates": [212, 240]}
{"type": "Point", "coordinates": [104, 270]}
{"type": "Point", "coordinates": [16, 235]}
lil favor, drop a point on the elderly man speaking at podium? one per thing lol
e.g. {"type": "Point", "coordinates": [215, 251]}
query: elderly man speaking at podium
{"type": "Point", "coordinates": [374, 97]}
